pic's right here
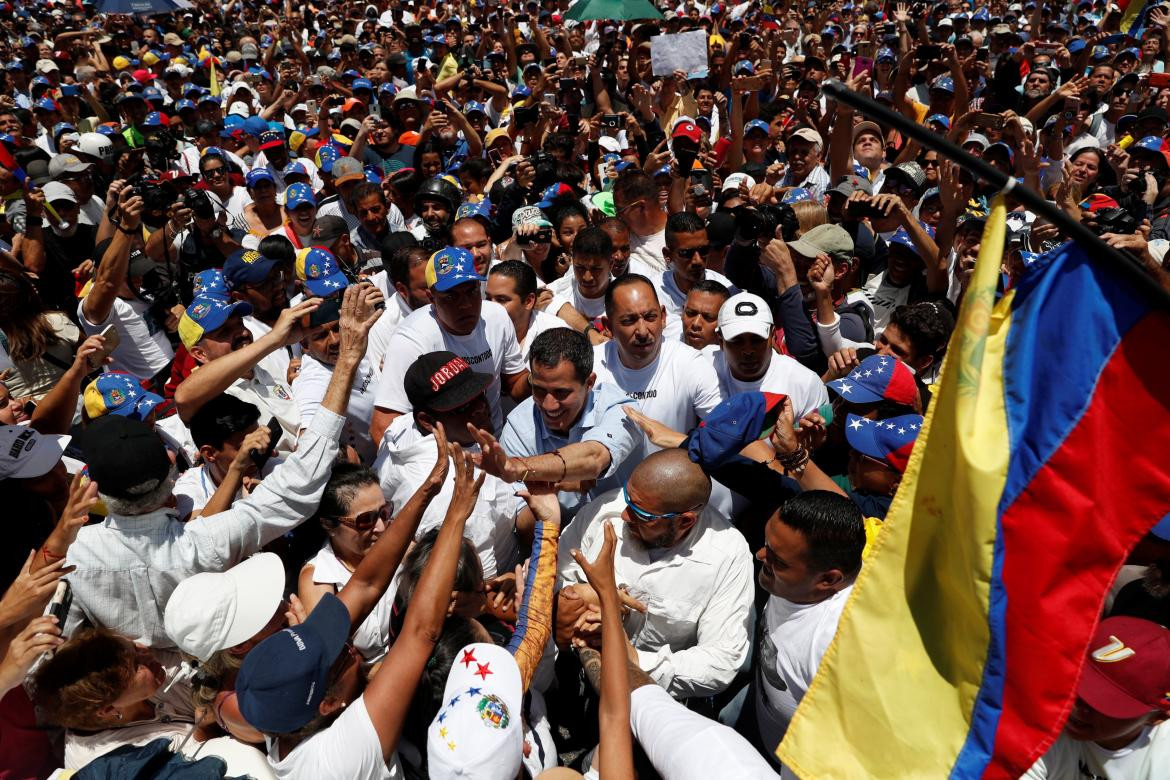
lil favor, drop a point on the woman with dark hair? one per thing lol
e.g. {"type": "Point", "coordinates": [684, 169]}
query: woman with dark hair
{"type": "Point", "coordinates": [40, 343]}
{"type": "Point", "coordinates": [1091, 171]}
{"type": "Point", "coordinates": [428, 158]}
{"type": "Point", "coordinates": [354, 514]}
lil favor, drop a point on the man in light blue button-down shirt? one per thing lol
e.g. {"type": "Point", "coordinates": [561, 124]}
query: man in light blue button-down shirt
{"type": "Point", "coordinates": [571, 431]}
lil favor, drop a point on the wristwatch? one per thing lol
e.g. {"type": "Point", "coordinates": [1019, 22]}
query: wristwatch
{"type": "Point", "coordinates": [217, 234]}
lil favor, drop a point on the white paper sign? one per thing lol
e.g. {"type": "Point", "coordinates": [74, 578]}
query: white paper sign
{"type": "Point", "coordinates": [686, 52]}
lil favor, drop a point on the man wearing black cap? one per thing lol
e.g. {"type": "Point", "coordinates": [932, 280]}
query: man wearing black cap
{"type": "Point", "coordinates": [128, 565]}
{"type": "Point", "coordinates": [444, 390]}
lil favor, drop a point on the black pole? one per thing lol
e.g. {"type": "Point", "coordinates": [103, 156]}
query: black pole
{"type": "Point", "coordinates": [1097, 249]}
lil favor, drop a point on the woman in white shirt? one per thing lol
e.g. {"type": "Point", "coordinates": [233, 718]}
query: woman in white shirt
{"type": "Point", "coordinates": [353, 513]}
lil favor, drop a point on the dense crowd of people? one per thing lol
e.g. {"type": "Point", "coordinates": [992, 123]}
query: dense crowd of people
{"type": "Point", "coordinates": [419, 389]}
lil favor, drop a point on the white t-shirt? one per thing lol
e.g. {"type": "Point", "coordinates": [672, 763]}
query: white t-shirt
{"type": "Point", "coordinates": [372, 637]}
{"type": "Point", "coordinates": [784, 375]}
{"type": "Point", "coordinates": [491, 348]}
{"type": "Point", "coordinates": [309, 390]}
{"type": "Point", "coordinates": [565, 291]}
{"type": "Point", "coordinates": [539, 322]}
{"type": "Point", "coordinates": [1146, 758]}
{"type": "Point", "coordinates": [670, 296]}
{"type": "Point", "coordinates": [143, 349]}
{"type": "Point", "coordinates": [395, 312]}
{"type": "Point", "coordinates": [195, 487]}
{"type": "Point", "coordinates": [794, 639]}
{"type": "Point", "coordinates": [677, 389]}
{"type": "Point", "coordinates": [648, 250]}
{"type": "Point", "coordinates": [348, 750]}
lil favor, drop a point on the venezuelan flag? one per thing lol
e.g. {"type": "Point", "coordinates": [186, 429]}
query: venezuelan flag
{"type": "Point", "coordinates": [1040, 465]}
{"type": "Point", "coordinates": [1132, 16]}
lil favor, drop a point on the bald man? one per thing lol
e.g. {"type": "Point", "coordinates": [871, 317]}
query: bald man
{"type": "Point", "coordinates": [682, 560]}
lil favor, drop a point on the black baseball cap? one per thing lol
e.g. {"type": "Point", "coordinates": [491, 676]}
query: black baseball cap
{"type": "Point", "coordinates": [720, 229]}
{"type": "Point", "coordinates": [122, 452]}
{"type": "Point", "coordinates": [442, 381]}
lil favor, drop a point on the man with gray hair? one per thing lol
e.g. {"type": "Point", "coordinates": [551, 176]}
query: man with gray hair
{"type": "Point", "coordinates": [128, 565]}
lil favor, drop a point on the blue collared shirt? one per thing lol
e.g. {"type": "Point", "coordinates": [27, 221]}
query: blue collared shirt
{"type": "Point", "coordinates": [602, 420]}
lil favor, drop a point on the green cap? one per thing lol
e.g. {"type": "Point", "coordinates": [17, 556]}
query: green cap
{"type": "Point", "coordinates": [832, 240]}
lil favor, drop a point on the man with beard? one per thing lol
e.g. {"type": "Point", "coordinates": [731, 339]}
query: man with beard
{"type": "Point", "coordinates": [143, 349]}
{"type": "Point", "coordinates": [572, 431]}
{"type": "Point", "coordinates": [262, 283]}
{"type": "Point", "coordinates": [692, 569]}
{"type": "Point", "coordinates": [1037, 86]}
{"type": "Point", "coordinates": [810, 559]}
{"type": "Point", "coordinates": [435, 204]}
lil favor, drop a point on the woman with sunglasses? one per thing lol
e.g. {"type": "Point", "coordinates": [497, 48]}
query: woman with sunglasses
{"type": "Point", "coordinates": [354, 514]}
{"type": "Point", "coordinates": [216, 171]}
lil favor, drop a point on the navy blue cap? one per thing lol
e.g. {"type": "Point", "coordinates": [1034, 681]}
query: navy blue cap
{"type": "Point", "coordinates": [246, 266]}
{"type": "Point", "coordinates": [284, 678]}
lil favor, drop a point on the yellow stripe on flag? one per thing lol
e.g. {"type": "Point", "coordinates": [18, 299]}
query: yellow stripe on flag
{"type": "Point", "coordinates": [895, 691]}
{"type": "Point", "coordinates": [1132, 11]}
{"type": "Point", "coordinates": [212, 78]}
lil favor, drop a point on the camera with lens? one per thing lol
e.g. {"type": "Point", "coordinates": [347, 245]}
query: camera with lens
{"type": "Point", "coordinates": [751, 222]}
{"type": "Point", "coordinates": [1118, 220]}
{"type": "Point", "coordinates": [199, 203]}
{"type": "Point", "coordinates": [160, 149]}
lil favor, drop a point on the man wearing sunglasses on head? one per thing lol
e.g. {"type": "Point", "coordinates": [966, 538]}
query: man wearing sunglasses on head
{"type": "Point", "coordinates": [688, 567]}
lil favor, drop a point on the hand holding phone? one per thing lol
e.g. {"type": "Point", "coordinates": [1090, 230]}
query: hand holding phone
{"type": "Point", "coordinates": [110, 341]}
{"type": "Point", "coordinates": [274, 434]}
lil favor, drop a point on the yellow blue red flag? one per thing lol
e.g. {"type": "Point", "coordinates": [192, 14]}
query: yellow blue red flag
{"type": "Point", "coordinates": [1040, 465]}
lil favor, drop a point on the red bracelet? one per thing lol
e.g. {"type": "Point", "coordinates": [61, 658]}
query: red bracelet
{"type": "Point", "coordinates": [50, 556]}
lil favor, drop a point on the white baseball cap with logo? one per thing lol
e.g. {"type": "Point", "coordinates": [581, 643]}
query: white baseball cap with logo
{"type": "Point", "coordinates": [529, 215]}
{"type": "Point", "coordinates": [478, 731]}
{"type": "Point", "coordinates": [745, 313]}
{"type": "Point", "coordinates": [25, 453]}
{"type": "Point", "coordinates": [213, 611]}
{"type": "Point", "coordinates": [732, 182]}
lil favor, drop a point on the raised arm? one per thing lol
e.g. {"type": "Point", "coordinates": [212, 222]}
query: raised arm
{"type": "Point", "coordinates": [111, 271]}
{"type": "Point", "coordinates": [389, 695]}
{"type": "Point", "coordinates": [217, 376]}
{"type": "Point", "coordinates": [617, 743]}
{"type": "Point", "coordinates": [373, 574]}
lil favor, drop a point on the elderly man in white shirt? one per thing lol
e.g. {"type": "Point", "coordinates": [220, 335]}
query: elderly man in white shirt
{"type": "Point", "coordinates": [128, 565]}
{"type": "Point", "coordinates": [690, 568]}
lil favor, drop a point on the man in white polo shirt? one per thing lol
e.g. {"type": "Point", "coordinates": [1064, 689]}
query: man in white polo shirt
{"type": "Point", "coordinates": [747, 362]}
{"type": "Point", "coordinates": [671, 382]}
{"type": "Point", "coordinates": [458, 320]}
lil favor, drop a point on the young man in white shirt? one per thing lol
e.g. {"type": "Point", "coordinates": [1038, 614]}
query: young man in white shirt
{"type": "Point", "coordinates": [748, 363]}
{"type": "Point", "coordinates": [262, 282]}
{"type": "Point", "coordinates": [810, 559]}
{"type": "Point", "coordinates": [686, 250]}
{"type": "Point", "coordinates": [583, 289]}
{"type": "Point", "coordinates": [700, 317]}
{"type": "Point", "coordinates": [1117, 728]}
{"type": "Point", "coordinates": [226, 431]}
{"type": "Point", "coordinates": [512, 284]}
{"type": "Point", "coordinates": [671, 382]}
{"type": "Point", "coordinates": [404, 283]}
{"type": "Point", "coordinates": [457, 320]}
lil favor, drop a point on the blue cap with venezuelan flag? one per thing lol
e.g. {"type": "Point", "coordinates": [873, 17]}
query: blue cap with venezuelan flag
{"type": "Point", "coordinates": [120, 394]}
{"type": "Point", "coordinates": [320, 271]}
{"type": "Point", "coordinates": [450, 267]}
{"type": "Point", "coordinates": [207, 314]}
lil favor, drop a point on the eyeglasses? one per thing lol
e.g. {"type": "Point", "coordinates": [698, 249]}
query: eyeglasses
{"type": "Point", "coordinates": [701, 251]}
{"type": "Point", "coordinates": [649, 517]}
{"type": "Point", "coordinates": [629, 206]}
{"type": "Point", "coordinates": [367, 520]}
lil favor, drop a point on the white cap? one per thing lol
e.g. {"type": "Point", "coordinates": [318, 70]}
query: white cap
{"type": "Point", "coordinates": [55, 191]}
{"type": "Point", "coordinates": [745, 313]}
{"type": "Point", "coordinates": [239, 109]}
{"type": "Point", "coordinates": [26, 453]}
{"type": "Point", "coordinates": [478, 732]}
{"type": "Point", "coordinates": [46, 66]}
{"type": "Point", "coordinates": [732, 181]}
{"type": "Point", "coordinates": [609, 144]}
{"type": "Point", "coordinates": [213, 611]}
{"type": "Point", "coordinates": [810, 135]}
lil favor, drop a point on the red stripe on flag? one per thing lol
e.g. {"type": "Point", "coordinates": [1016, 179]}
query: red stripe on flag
{"type": "Point", "coordinates": [1068, 533]}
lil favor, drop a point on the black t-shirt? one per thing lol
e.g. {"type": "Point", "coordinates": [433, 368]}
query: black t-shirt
{"type": "Point", "coordinates": [62, 254]}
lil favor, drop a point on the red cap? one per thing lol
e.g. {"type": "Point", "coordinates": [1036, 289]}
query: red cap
{"type": "Point", "coordinates": [1127, 674]}
{"type": "Point", "coordinates": [688, 130]}
{"type": "Point", "coordinates": [142, 75]}
{"type": "Point", "coordinates": [1099, 202]}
